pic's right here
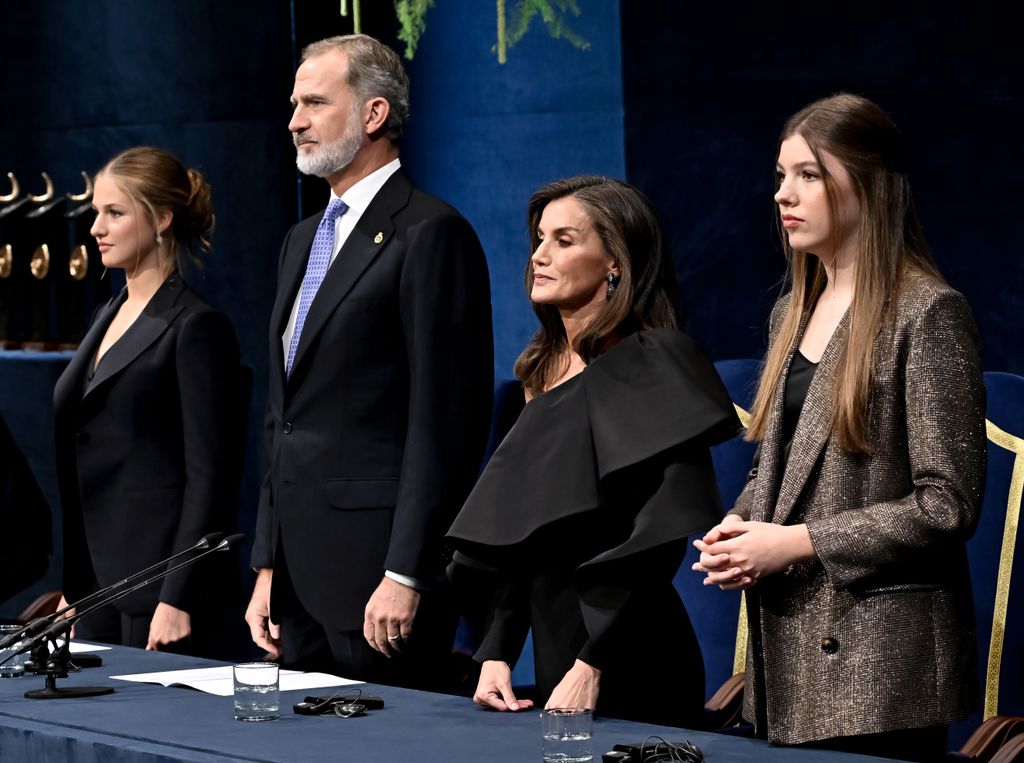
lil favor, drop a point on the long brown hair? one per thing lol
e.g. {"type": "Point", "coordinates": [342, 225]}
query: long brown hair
{"type": "Point", "coordinates": [891, 245]}
{"type": "Point", "coordinates": [644, 298]}
{"type": "Point", "coordinates": [156, 180]}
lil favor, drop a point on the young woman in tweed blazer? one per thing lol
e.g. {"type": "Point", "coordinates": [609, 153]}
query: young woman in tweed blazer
{"type": "Point", "coordinates": [849, 535]}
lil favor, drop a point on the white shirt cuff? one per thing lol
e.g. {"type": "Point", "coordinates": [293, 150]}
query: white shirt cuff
{"type": "Point", "coordinates": [405, 580]}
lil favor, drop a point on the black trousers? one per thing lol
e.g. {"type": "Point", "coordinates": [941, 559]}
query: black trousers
{"type": "Point", "coordinates": [211, 636]}
{"type": "Point", "coordinates": [111, 626]}
{"type": "Point", "coordinates": [425, 662]}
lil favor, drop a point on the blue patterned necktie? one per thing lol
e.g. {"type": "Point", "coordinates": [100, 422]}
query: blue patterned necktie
{"type": "Point", "coordinates": [319, 260]}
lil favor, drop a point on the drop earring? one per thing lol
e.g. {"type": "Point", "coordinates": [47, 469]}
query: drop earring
{"type": "Point", "coordinates": [610, 291]}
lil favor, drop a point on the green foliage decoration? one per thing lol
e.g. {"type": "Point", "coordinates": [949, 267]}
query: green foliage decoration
{"type": "Point", "coordinates": [553, 13]}
{"type": "Point", "coordinates": [412, 22]}
{"type": "Point", "coordinates": [357, 15]}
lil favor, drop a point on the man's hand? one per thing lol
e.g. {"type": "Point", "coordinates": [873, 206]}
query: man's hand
{"type": "Point", "coordinates": [168, 625]}
{"type": "Point", "coordinates": [265, 634]}
{"type": "Point", "coordinates": [494, 689]}
{"type": "Point", "coordinates": [389, 615]}
{"type": "Point", "coordinates": [578, 687]}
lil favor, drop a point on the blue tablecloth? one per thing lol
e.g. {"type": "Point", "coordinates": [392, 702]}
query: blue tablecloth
{"type": "Point", "coordinates": [145, 722]}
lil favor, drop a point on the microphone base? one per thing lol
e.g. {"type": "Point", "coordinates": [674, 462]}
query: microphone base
{"type": "Point", "coordinates": [69, 692]}
{"type": "Point", "coordinates": [52, 691]}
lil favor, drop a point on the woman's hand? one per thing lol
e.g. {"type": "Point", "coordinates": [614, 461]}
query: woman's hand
{"type": "Point", "coordinates": [67, 615]}
{"type": "Point", "coordinates": [735, 555]}
{"type": "Point", "coordinates": [719, 567]}
{"type": "Point", "coordinates": [494, 689]}
{"type": "Point", "coordinates": [722, 529]}
{"type": "Point", "coordinates": [169, 624]}
{"type": "Point", "coordinates": [578, 687]}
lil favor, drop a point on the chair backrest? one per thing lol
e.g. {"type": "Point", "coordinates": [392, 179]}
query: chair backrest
{"type": "Point", "coordinates": [997, 572]}
{"type": "Point", "coordinates": [718, 617]}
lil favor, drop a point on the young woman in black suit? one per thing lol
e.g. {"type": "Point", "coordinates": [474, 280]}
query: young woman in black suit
{"type": "Point", "coordinates": [148, 416]}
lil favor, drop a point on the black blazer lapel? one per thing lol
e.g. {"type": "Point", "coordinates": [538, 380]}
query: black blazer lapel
{"type": "Point", "coordinates": [814, 427]}
{"type": "Point", "coordinates": [372, 233]}
{"type": "Point", "coordinates": [68, 385]}
{"type": "Point", "coordinates": [148, 327]}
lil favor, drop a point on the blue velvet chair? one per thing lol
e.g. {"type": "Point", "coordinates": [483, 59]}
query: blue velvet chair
{"type": "Point", "coordinates": [997, 577]}
{"type": "Point", "coordinates": [718, 617]}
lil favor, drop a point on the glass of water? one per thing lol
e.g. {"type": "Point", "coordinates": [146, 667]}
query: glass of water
{"type": "Point", "coordinates": [15, 666]}
{"type": "Point", "coordinates": [567, 733]}
{"type": "Point", "coordinates": [257, 695]}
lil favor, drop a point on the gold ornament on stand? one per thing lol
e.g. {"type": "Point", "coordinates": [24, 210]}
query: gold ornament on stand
{"type": "Point", "coordinates": [40, 264]}
{"type": "Point", "coordinates": [47, 195]}
{"type": "Point", "coordinates": [87, 193]}
{"type": "Point", "coordinates": [78, 265]}
{"type": "Point", "coordinates": [15, 189]}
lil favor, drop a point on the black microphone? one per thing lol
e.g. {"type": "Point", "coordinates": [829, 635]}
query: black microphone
{"type": "Point", "coordinates": [38, 625]}
{"type": "Point", "coordinates": [61, 626]}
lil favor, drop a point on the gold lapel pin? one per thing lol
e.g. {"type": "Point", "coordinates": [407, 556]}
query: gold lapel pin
{"type": "Point", "coordinates": [378, 238]}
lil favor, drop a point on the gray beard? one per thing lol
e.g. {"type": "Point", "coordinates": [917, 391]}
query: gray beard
{"type": "Point", "coordinates": [328, 158]}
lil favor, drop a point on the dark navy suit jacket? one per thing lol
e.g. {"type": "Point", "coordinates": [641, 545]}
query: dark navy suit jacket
{"type": "Point", "coordinates": [375, 439]}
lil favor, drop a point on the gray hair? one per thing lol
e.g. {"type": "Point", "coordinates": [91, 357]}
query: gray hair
{"type": "Point", "coordinates": [374, 71]}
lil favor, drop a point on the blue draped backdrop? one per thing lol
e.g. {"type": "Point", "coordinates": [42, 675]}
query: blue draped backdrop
{"type": "Point", "coordinates": [684, 100]}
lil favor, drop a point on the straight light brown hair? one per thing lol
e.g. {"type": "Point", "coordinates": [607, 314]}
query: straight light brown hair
{"type": "Point", "coordinates": [867, 143]}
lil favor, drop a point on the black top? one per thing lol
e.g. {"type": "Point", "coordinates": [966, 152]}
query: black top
{"type": "Point", "coordinates": [798, 381]}
{"type": "Point", "coordinates": [651, 392]}
{"type": "Point", "coordinates": [584, 509]}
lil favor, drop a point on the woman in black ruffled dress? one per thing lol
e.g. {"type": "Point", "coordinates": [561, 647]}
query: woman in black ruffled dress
{"type": "Point", "coordinates": [579, 523]}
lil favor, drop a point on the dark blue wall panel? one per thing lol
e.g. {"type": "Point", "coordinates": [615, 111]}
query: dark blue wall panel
{"type": "Point", "coordinates": [209, 82]}
{"type": "Point", "coordinates": [484, 136]}
{"type": "Point", "coordinates": [707, 88]}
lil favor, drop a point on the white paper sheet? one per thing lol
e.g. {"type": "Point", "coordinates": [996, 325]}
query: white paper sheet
{"type": "Point", "coordinates": [218, 680]}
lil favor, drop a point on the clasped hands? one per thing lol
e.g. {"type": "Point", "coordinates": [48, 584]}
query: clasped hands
{"type": "Point", "coordinates": [735, 554]}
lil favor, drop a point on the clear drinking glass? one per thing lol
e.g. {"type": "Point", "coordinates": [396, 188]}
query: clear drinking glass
{"type": "Point", "coordinates": [15, 666]}
{"type": "Point", "coordinates": [257, 694]}
{"type": "Point", "coordinates": [567, 733]}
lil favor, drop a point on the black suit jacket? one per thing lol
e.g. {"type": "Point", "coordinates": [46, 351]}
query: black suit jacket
{"type": "Point", "coordinates": [25, 517]}
{"type": "Point", "coordinates": [148, 457]}
{"type": "Point", "coordinates": [375, 439]}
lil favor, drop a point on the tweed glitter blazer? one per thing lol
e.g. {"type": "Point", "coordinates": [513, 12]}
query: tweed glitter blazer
{"type": "Point", "coordinates": [877, 633]}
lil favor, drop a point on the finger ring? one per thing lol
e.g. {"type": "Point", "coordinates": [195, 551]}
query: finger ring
{"type": "Point", "coordinates": [394, 638]}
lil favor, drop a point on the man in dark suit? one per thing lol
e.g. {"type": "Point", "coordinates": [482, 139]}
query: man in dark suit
{"type": "Point", "coordinates": [381, 373]}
